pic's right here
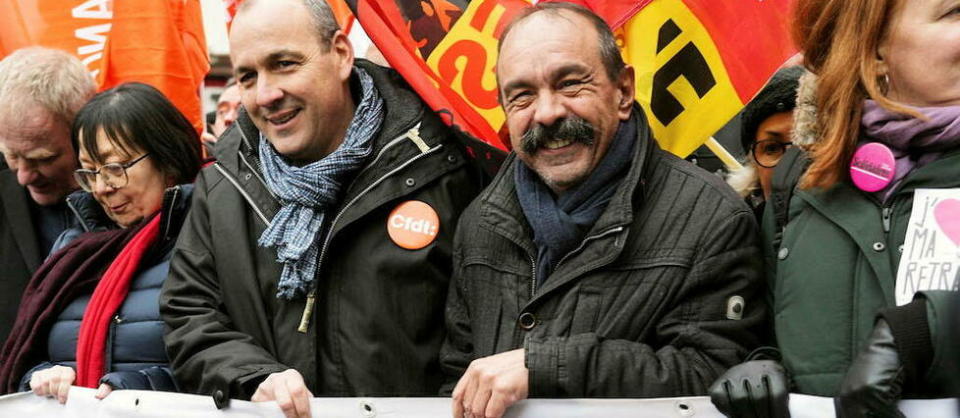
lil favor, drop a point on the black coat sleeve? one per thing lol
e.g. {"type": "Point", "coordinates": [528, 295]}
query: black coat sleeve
{"type": "Point", "coordinates": [207, 354]}
{"type": "Point", "coordinates": [457, 350]}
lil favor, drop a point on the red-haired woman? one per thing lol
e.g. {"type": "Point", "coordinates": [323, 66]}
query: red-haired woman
{"type": "Point", "coordinates": [888, 123]}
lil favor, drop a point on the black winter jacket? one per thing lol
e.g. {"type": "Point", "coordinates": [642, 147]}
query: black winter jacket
{"type": "Point", "coordinates": [135, 356]}
{"type": "Point", "coordinates": [663, 294]}
{"type": "Point", "coordinates": [377, 325]}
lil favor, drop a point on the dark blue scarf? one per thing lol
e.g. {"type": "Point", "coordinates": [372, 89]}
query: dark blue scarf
{"type": "Point", "coordinates": [559, 225]}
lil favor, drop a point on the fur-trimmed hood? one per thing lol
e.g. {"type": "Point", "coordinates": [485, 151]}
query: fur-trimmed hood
{"type": "Point", "coordinates": [746, 181]}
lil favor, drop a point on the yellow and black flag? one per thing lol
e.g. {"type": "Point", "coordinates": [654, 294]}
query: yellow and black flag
{"type": "Point", "coordinates": [697, 61]}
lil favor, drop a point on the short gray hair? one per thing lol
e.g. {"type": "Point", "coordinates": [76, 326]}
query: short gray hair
{"type": "Point", "coordinates": [51, 78]}
{"type": "Point", "coordinates": [324, 21]}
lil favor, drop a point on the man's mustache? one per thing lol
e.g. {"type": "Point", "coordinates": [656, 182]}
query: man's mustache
{"type": "Point", "coordinates": [573, 128]}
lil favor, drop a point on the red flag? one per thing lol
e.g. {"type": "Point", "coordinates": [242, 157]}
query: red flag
{"type": "Point", "coordinates": [446, 50]}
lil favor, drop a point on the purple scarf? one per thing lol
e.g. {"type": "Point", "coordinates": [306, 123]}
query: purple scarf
{"type": "Point", "coordinates": [914, 142]}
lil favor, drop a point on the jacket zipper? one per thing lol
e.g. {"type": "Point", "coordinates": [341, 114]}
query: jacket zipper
{"type": "Point", "coordinates": [413, 133]}
{"type": "Point", "coordinates": [77, 214]}
{"type": "Point", "coordinates": [243, 192]}
{"type": "Point", "coordinates": [584, 244]}
{"type": "Point", "coordinates": [533, 276]}
{"type": "Point", "coordinates": [169, 215]}
{"type": "Point", "coordinates": [533, 280]}
{"type": "Point", "coordinates": [886, 212]}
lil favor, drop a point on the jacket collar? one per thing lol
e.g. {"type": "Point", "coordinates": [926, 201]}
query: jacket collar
{"type": "Point", "coordinates": [89, 215]}
{"type": "Point", "coordinates": [398, 103]}
{"type": "Point", "coordinates": [501, 212]}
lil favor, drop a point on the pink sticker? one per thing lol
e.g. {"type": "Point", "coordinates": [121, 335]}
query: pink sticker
{"type": "Point", "coordinates": [872, 167]}
{"type": "Point", "coordinates": [947, 213]}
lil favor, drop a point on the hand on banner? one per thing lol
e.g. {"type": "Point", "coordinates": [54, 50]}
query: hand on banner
{"type": "Point", "coordinates": [490, 385]}
{"type": "Point", "coordinates": [103, 391]}
{"type": "Point", "coordinates": [288, 390]}
{"type": "Point", "coordinates": [753, 389]}
{"type": "Point", "coordinates": [873, 384]}
{"type": "Point", "coordinates": [54, 382]}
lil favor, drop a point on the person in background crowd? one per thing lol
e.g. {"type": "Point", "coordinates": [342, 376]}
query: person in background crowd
{"type": "Point", "coordinates": [767, 127]}
{"type": "Point", "coordinates": [596, 264]}
{"type": "Point", "coordinates": [40, 92]}
{"type": "Point", "coordinates": [888, 104]}
{"type": "Point", "coordinates": [228, 105]}
{"type": "Point", "coordinates": [318, 254]}
{"type": "Point", "coordinates": [90, 315]}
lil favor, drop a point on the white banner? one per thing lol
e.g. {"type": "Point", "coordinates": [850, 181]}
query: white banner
{"type": "Point", "coordinates": [134, 403]}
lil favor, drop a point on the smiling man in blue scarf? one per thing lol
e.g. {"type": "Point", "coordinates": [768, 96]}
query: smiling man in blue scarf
{"type": "Point", "coordinates": [318, 256]}
{"type": "Point", "coordinates": [595, 264]}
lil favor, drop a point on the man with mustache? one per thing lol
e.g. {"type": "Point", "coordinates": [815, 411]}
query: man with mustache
{"type": "Point", "coordinates": [317, 256]}
{"type": "Point", "coordinates": [41, 91]}
{"type": "Point", "coordinates": [595, 264]}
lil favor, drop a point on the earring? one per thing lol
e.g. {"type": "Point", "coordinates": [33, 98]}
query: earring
{"type": "Point", "coordinates": [884, 83]}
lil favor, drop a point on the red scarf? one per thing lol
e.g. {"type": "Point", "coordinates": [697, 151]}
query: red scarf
{"type": "Point", "coordinates": [110, 293]}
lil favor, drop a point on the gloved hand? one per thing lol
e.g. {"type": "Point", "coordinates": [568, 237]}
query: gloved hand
{"type": "Point", "coordinates": [753, 389]}
{"type": "Point", "coordinates": [872, 385]}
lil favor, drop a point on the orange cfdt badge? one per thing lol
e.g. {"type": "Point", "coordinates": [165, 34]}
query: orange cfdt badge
{"type": "Point", "coordinates": [413, 225]}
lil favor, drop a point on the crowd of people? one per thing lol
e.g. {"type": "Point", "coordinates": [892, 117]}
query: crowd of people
{"type": "Point", "coordinates": [341, 240]}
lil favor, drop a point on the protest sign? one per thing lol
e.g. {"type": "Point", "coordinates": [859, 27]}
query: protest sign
{"type": "Point", "coordinates": [931, 249]}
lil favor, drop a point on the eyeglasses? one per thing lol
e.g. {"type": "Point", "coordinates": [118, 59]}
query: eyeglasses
{"type": "Point", "coordinates": [769, 152]}
{"type": "Point", "coordinates": [114, 175]}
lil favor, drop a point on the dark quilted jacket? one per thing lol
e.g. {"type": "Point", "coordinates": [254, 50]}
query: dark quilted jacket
{"type": "Point", "coordinates": [135, 358]}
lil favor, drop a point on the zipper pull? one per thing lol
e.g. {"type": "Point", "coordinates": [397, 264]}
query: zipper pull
{"type": "Point", "coordinates": [414, 135]}
{"type": "Point", "coordinates": [307, 312]}
{"type": "Point", "coordinates": [886, 218]}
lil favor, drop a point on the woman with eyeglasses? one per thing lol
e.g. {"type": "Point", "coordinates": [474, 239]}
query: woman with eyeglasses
{"type": "Point", "coordinates": [766, 133]}
{"type": "Point", "coordinates": [89, 317]}
{"type": "Point", "coordinates": [852, 321]}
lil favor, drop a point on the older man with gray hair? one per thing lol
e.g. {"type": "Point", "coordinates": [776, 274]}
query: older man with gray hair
{"type": "Point", "coordinates": [41, 90]}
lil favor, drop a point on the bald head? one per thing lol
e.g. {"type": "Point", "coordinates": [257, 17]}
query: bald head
{"type": "Point", "coordinates": [324, 22]}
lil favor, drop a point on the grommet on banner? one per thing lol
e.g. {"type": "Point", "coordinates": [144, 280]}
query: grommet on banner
{"type": "Point", "coordinates": [367, 409]}
{"type": "Point", "coordinates": [684, 409]}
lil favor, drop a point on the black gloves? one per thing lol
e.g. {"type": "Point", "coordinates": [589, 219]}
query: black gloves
{"type": "Point", "coordinates": [874, 381]}
{"type": "Point", "coordinates": [757, 388]}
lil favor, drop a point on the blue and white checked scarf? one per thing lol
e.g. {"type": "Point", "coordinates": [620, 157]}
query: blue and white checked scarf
{"type": "Point", "coordinates": [307, 193]}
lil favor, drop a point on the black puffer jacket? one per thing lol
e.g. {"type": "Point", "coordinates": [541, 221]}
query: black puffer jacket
{"type": "Point", "coordinates": [135, 357]}
{"type": "Point", "coordinates": [377, 325]}
{"type": "Point", "coordinates": [664, 293]}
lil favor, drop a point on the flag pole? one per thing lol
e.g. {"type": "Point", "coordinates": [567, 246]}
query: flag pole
{"type": "Point", "coordinates": [728, 159]}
